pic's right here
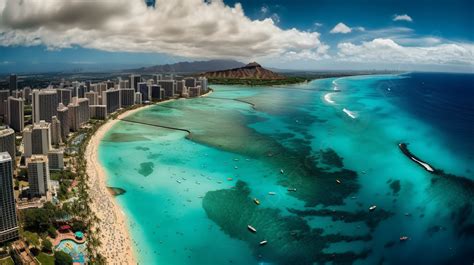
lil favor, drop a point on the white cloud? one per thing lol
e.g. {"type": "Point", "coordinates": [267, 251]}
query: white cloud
{"type": "Point", "coordinates": [317, 24]}
{"type": "Point", "coordinates": [388, 51]}
{"type": "Point", "coordinates": [187, 28]}
{"type": "Point", "coordinates": [341, 28]}
{"type": "Point", "coordinates": [404, 17]}
{"type": "Point", "coordinates": [264, 9]}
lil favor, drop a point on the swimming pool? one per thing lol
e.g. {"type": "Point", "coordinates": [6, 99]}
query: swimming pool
{"type": "Point", "coordinates": [75, 250]}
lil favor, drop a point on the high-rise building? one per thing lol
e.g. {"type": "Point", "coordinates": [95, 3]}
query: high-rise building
{"type": "Point", "coordinates": [169, 87]}
{"type": "Point", "coordinates": [156, 93]}
{"type": "Point", "coordinates": [98, 112]}
{"type": "Point", "coordinates": [157, 78]}
{"type": "Point", "coordinates": [37, 139]}
{"type": "Point", "coordinates": [56, 159]}
{"type": "Point", "coordinates": [64, 95]}
{"type": "Point", "coordinates": [8, 217]}
{"type": "Point", "coordinates": [127, 97]}
{"type": "Point", "coordinates": [7, 141]}
{"type": "Point", "coordinates": [194, 91]}
{"type": "Point", "coordinates": [45, 104]}
{"type": "Point", "coordinates": [27, 94]}
{"type": "Point", "coordinates": [16, 114]}
{"type": "Point", "coordinates": [56, 131]}
{"type": "Point", "coordinates": [17, 94]}
{"type": "Point", "coordinates": [13, 82]}
{"type": "Point", "coordinates": [4, 94]}
{"type": "Point", "coordinates": [144, 89]}
{"type": "Point", "coordinates": [180, 87]}
{"type": "Point", "coordinates": [190, 82]}
{"type": "Point", "coordinates": [38, 175]}
{"type": "Point", "coordinates": [138, 98]}
{"type": "Point", "coordinates": [134, 80]}
{"type": "Point", "coordinates": [204, 86]}
{"type": "Point", "coordinates": [111, 98]}
{"type": "Point", "coordinates": [92, 96]}
{"type": "Point", "coordinates": [63, 117]}
{"type": "Point", "coordinates": [124, 84]}
{"type": "Point", "coordinates": [79, 113]}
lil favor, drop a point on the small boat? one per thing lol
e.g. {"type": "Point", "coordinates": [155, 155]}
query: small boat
{"type": "Point", "coordinates": [264, 242]}
{"type": "Point", "coordinates": [371, 208]}
{"type": "Point", "coordinates": [271, 193]}
{"type": "Point", "coordinates": [229, 179]}
{"type": "Point", "coordinates": [252, 229]}
{"type": "Point", "coordinates": [403, 238]}
{"type": "Point", "coordinates": [292, 189]}
{"type": "Point", "coordinates": [179, 181]}
{"type": "Point", "coordinates": [256, 201]}
{"type": "Point", "coordinates": [338, 181]}
{"type": "Point", "coordinates": [281, 171]}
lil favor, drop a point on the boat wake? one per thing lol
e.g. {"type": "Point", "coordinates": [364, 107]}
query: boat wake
{"type": "Point", "coordinates": [350, 113]}
{"type": "Point", "coordinates": [328, 99]}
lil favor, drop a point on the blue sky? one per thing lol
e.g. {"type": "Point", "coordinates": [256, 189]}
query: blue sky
{"type": "Point", "coordinates": [428, 35]}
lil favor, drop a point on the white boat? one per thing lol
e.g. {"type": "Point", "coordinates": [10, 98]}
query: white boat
{"type": "Point", "coordinates": [338, 181]}
{"type": "Point", "coordinates": [179, 181]}
{"type": "Point", "coordinates": [252, 229]}
{"type": "Point", "coordinates": [271, 193]}
{"type": "Point", "coordinates": [371, 208]}
{"type": "Point", "coordinates": [281, 171]}
{"type": "Point", "coordinates": [292, 189]}
{"type": "Point", "coordinates": [264, 242]}
{"type": "Point", "coordinates": [403, 238]}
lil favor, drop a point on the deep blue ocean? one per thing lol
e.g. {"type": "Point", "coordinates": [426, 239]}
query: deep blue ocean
{"type": "Point", "coordinates": [302, 164]}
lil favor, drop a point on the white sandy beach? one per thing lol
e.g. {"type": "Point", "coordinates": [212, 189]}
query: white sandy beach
{"type": "Point", "coordinates": [116, 241]}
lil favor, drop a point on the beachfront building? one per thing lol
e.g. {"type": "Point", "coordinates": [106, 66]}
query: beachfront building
{"type": "Point", "coordinates": [37, 139]}
{"type": "Point", "coordinates": [8, 217]}
{"type": "Point", "coordinates": [194, 91]}
{"type": "Point", "coordinates": [138, 98]}
{"type": "Point", "coordinates": [180, 87]}
{"type": "Point", "coordinates": [156, 93]}
{"type": "Point", "coordinates": [45, 104]}
{"type": "Point", "coordinates": [204, 85]}
{"type": "Point", "coordinates": [56, 159]}
{"type": "Point", "coordinates": [127, 97]}
{"type": "Point", "coordinates": [79, 113]}
{"type": "Point", "coordinates": [111, 99]}
{"type": "Point", "coordinates": [15, 113]}
{"type": "Point", "coordinates": [63, 117]}
{"type": "Point", "coordinates": [7, 141]}
{"type": "Point", "coordinates": [169, 87]}
{"type": "Point", "coordinates": [64, 95]}
{"type": "Point", "coordinates": [144, 90]}
{"type": "Point", "coordinates": [56, 131]}
{"type": "Point", "coordinates": [38, 175]}
{"type": "Point", "coordinates": [93, 97]}
{"type": "Point", "coordinates": [98, 112]}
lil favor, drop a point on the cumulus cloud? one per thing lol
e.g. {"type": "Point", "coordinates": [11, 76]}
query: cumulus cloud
{"type": "Point", "coordinates": [388, 51]}
{"type": "Point", "coordinates": [404, 17]}
{"type": "Point", "coordinates": [188, 28]}
{"type": "Point", "coordinates": [341, 28]}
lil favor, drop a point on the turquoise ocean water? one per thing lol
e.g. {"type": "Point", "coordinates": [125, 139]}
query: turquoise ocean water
{"type": "Point", "coordinates": [190, 197]}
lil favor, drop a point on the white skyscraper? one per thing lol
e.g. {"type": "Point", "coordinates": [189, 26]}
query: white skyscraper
{"type": "Point", "coordinates": [8, 217]}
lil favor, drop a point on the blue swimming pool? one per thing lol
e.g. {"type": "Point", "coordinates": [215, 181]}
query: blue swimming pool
{"type": "Point", "coordinates": [75, 250]}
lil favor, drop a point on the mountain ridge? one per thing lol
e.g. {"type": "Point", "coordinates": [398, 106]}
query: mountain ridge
{"type": "Point", "coordinates": [190, 67]}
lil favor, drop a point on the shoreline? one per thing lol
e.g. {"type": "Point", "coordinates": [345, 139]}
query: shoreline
{"type": "Point", "coordinates": [116, 241]}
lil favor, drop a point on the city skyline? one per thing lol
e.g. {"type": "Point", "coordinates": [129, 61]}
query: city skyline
{"type": "Point", "coordinates": [306, 35]}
